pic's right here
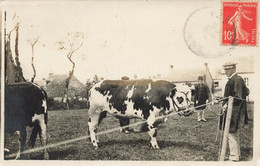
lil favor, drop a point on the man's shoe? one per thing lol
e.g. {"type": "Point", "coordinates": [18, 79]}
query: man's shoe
{"type": "Point", "coordinates": [228, 158]}
{"type": "Point", "coordinates": [204, 120]}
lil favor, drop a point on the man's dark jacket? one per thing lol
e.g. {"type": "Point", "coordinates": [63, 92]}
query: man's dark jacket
{"type": "Point", "coordinates": [236, 87]}
{"type": "Point", "coordinates": [201, 95]}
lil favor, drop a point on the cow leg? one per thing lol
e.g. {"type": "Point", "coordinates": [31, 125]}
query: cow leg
{"type": "Point", "coordinates": [124, 122]}
{"type": "Point", "coordinates": [36, 129]}
{"type": "Point", "coordinates": [152, 131]}
{"type": "Point", "coordinates": [22, 139]}
{"type": "Point", "coordinates": [43, 138]}
{"type": "Point", "coordinates": [94, 119]}
{"type": "Point", "coordinates": [102, 115]}
{"type": "Point", "coordinates": [19, 145]}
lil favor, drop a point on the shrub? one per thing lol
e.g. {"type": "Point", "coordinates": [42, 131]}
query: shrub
{"type": "Point", "coordinates": [73, 104]}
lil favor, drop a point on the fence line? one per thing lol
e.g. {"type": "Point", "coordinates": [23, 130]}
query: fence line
{"type": "Point", "coordinates": [226, 130]}
{"type": "Point", "coordinates": [108, 131]}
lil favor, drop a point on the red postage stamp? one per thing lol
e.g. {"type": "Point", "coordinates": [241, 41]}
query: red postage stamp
{"type": "Point", "coordinates": [239, 23]}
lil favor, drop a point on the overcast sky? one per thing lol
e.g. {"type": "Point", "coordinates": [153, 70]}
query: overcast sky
{"type": "Point", "coordinates": [122, 38]}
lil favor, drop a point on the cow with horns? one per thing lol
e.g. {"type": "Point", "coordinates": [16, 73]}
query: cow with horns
{"type": "Point", "coordinates": [144, 99]}
{"type": "Point", "coordinates": [26, 105]}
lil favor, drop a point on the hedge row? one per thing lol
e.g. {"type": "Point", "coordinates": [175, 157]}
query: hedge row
{"type": "Point", "coordinates": [73, 104]}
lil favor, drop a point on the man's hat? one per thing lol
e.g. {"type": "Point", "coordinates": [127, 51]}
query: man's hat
{"type": "Point", "coordinates": [200, 78]}
{"type": "Point", "coordinates": [229, 65]}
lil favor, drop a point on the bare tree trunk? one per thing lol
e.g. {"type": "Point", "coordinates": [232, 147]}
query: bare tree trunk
{"type": "Point", "coordinates": [69, 56]}
{"type": "Point", "coordinates": [16, 46]}
{"type": "Point", "coordinates": [18, 64]}
{"type": "Point", "coordinates": [34, 70]}
{"type": "Point", "coordinates": [10, 66]}
{"type": "Point", "coordinates": [13, 71]}
{"type": "Point", "coordinates": [69, 79]}
{"type": "Point", "coordinates": [65, 100]}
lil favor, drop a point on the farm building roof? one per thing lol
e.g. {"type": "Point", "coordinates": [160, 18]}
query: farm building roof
{"type": "Point", "coordinates": [55, 85]}
{"type": "Point", "coordinates": [185, 75]}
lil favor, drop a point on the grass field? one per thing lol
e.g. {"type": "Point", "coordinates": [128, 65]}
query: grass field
{"type": "Point", "coordinates": [180, 139]}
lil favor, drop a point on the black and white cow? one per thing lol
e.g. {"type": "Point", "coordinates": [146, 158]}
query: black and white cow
{"type": "Point", "coordinates": [188, 90]}
{"type": "Point", "coordinates": [26, 105]}
{"type": "Point", "coordinates": [143, 99]}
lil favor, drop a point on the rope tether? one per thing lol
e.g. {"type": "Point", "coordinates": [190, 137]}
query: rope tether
{"type": "Point", "coordinates": [105, 132]}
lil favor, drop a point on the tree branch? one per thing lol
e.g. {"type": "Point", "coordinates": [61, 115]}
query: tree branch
{"type": "Point", "coordinates": [72, 50]}
{"type": "Point", "coordinates": [33, 42]}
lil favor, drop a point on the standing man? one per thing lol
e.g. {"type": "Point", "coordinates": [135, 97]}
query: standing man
{"type": "Point", "coordinates": [201, 97]}
{"type": "Point", "coordinates": [235, 87]}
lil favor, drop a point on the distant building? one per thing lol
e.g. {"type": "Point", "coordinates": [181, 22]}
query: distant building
{"type": "Point", "coordinates": [190, 76]}
{"type": "Point", "coordinates": [245, 68]}
{"type": "Point", "coordinates": [217, 76]}
{"type": "Point", "coordinates": [217, 79]}
{"type": "Point", "coordinates": [55, 86]}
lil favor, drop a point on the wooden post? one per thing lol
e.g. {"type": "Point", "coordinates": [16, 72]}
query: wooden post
{"type": "Point", "coordinates": [226, 130]}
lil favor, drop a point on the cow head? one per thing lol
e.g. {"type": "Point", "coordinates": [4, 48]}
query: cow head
{"type": "Point", "coordinates": [181, 102]}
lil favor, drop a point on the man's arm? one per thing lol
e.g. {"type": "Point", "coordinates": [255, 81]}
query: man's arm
{"type": "Point", "coordinates": [209, 97]}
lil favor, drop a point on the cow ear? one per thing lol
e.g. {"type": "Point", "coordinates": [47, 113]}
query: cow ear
{"type": "Point", "coordinates": [173, 92]}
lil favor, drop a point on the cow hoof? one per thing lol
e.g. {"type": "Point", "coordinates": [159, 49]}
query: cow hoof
{"type": "Point", "coordinates": [95, 146]}
{"type": "Point", "coordinates": [150, 146]}
{"type": "Point", "coordinates": [46, 156]}
{"type": "Point", "coordinates": [154, 146]}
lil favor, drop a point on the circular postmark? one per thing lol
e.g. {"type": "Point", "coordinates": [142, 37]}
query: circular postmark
{"type": "Point", "coordinates": [202, 33]}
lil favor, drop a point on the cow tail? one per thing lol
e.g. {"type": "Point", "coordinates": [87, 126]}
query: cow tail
{"type": "Point", "coordinates": [88, 96]}
{"type": "Point", "coordinates": [102, 116]}
{"type": "Point", "coordinates": [45, 111]}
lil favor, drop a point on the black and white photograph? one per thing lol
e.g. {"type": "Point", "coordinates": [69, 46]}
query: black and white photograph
{"type": "Point", "coordinates": [129, 82]}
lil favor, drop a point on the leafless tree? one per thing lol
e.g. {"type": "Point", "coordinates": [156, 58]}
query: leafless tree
{"type": "Point", "coordinates": [74, 43]}
{"type": "Point", "coordinates": [96, 79]}
{"type": "Point", "coordinates": [33, 42]}
{"type": "Point", "coordinates": [13, 70]}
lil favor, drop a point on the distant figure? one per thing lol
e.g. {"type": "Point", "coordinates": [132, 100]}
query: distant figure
{"type": "Point", "coordinates": [236, 19]}
{"type": "Point", "coordinates": [202, 96]}
{"type": "Point", "coordinates": [235, 87]}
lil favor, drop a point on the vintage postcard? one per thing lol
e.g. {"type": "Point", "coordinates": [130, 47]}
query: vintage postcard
{"type": "Point", "coordinates": [130, 82]}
